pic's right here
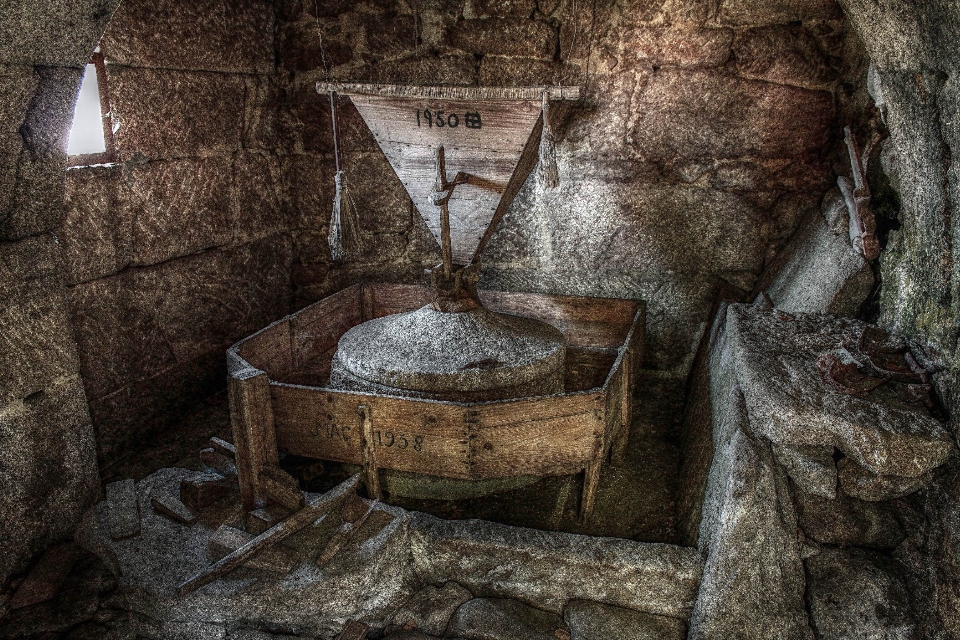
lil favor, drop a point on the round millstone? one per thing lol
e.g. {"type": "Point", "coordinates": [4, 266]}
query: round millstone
{"type": "Point", "coordinates": [473, 355]}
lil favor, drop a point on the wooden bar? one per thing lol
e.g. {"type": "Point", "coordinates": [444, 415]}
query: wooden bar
{"type": "Point", "coordinates": [251, 417]}
{"type": "Point", "coordinates": [591, 481]}
{"type": "Point", "coordinates": [622, 438]}
{"type": "Point", "coordinates": [453, 93]}
{"type": "Point", "coordinates": [369, 453]}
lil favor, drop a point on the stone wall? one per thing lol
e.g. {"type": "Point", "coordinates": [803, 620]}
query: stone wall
{"type": "Point", "coordinates": [48, 470]}
{"type": "Point", "coordinates": [915, 48]}
{"type": "Point", "coordinates": [705, 137]}
{"type": "Point", "coordinates": [183, 246]}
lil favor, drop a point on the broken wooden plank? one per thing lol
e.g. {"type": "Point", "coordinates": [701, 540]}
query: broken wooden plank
{"type": "Point", "coordinates": [123, 510]}
{"type": "Point", "coordinates": [353, 630]}
{"type": "Point", "coordinates": [216, 461]}
{"type": "Point", "coordinates": [297, 521]}
{"type": "Point", "coordinates": [342, 536]}
{"type": "Point", "coordinates": [223, 447]}
{"type": "Point", "coordinates": [281, 487]}
{"type": "Point", "coordinates": [226, 540]}
{"type": "Point", "coordinates": [172, 508]}
{"type": "Point", "coordinates": [259, 520]}
{"type": "Point", "coordinates": [45, 579]}
{"type": "Point", "coordinates": [202, 491]}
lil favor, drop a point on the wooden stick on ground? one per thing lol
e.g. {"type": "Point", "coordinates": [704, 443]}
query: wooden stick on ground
{"type": "Point", "coordinates": [321, 506]}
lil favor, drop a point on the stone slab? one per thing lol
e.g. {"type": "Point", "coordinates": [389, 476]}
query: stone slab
{"type": "Point", "coordinates": [429, 610]}
{"type": "Point", "coordinates": [593, 621]}
{"type": "Point", "coordinates": [505, 37]}
{"type": "Point", "coordinates": [47, 576]}
{"type": "Point", "coordinates": [547, 569]}
{"type": "Point", "coordinates": [502, 619]}
{"type": "Point", "coordinates": [122, 510]}
{"type": "Point", "coordinates": [59, 32]}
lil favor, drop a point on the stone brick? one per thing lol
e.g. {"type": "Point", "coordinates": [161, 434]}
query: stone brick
{"type": "Point", "coordinates": [256, 197]}
{"type": "Point", "coordinates": [134, 325]}
{"type": "Point", "coordinates": [8, 181]}
{"type": "Point", "coordinates": [208, 35]}
{"type": "Point", "coordinates": [299, 46]}
{"type": "Point", "coordinates": [57, 32]}
{"type": "Point", "coordinates": [429, 69]}
{"type": "Point", "coordinates": [17, 86]}
{"type": "Point", "coordinates": [37, 203]}
{"type": "Point", "coordinates": [46, 127]}
{"type": "Point", "coordinates": [500, 8]}
{"type": "Point", "coordinates": [382, 203]}
{"type": "Point", "coordinates": [170, 114]}
{"type": "Point", "coordinates": [761, 12]}
{"type": "Point", "coordinates": [310, 187]}
{"type": "Point", "coordinates": [389, 33]}
{"type": "Point", "coordinates": [48, 470]}
{"type": "Point", "coordinates": [695, 114]}
{"type": "Point", "coordinates": [177, 207]}
{"type": "Point", "coordinates": [785, 55]}
{"type": "Point", "coordinates": [505, 37]}
{"type": "Point", "coordinates": [305, 125]}
{"type": "Point", "coordinates": [261, 108]}
{"type": "Point", "coordinates": [679, 47]}
{"type": "Point", "coordinates": [95, 232]}
{"type": "Point", "coordinates": [37, 343]}
{"type": "Point", "coordinates": [507, 71]}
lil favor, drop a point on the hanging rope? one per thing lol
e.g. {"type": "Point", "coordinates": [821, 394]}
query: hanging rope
{"type": "Point", "coordinates": [548, 149]}
{"type": "Point", "coordinates": [343, 236]}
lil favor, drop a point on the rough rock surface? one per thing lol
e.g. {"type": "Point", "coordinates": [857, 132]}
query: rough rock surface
{"type": "Point", "coordinates": [547, 569]}
{"type": "Point", "coordinates": [848, 521]}
{"type": "Point", "coordinates": [818, 272]}
{"type": "Point", "coordinates": [855, 594]}
{"type": "Point", "coordinates": [501, 619]}
{"type": "Point", "coordinates": [592, 621]}
{"type": "Point", "coordinates": [429, 610]}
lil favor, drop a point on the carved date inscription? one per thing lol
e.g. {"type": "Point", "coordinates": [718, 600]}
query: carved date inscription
{"type": "Point", "coordinates": [385, 439]}
{"type": "Point", "coordinates": [428, 118]}
{"type": "Point", "coordinates": [401, 441]}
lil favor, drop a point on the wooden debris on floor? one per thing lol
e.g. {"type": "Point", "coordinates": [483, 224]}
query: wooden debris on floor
{"type": "Point", "coordinates": [259, 520]}
{"type": "Point", "coordinates": [226, 540]}
{"type": "Point", "coordinates": [281, 487]}
{"type": "Point", "coordinates": [45, 579]}
{"type": "Point", "coordinates": [203, 491]}
{"type": "Point", "coordinates": [216, 461]}
{"type": "Point", "coordinates": [355, 512]}
{"type": "Point", "coordinates": [172, 508]}
{"type": "Point", "coordinates": [353, 630]}
{"type": "Point", "coordinates": [223, 447]}
{"type": "Point", "coordinates": [123, 510]}
{"type": "Point", "coordinates": [297, 521]}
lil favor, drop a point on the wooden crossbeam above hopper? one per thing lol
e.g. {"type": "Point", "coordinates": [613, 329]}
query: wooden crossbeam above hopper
{"type": "Point", "coordinates": [489, 133]}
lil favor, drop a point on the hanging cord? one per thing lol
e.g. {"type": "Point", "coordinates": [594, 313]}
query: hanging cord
{"type": "Point", "coordinates": [343, 236]}
{"type": "Point", "coordinates": [548, 148]}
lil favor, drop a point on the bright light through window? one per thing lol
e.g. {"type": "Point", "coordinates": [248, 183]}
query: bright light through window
{"type": "Point", "coordinates": [86, 134]}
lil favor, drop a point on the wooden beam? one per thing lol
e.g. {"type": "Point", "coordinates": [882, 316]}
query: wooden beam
{"type": "Point", "coordinates": [251, 417]}
{"type": "Point", "coordinates": [453, 93]}
{"type": "Point", "coordinates": [619, 453]}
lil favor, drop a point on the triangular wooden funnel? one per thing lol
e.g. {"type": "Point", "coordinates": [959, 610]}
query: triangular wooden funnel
{"type": "Point", "coordinates": [490, 136]}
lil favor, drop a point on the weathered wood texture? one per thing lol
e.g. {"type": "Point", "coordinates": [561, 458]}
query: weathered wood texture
{"type": "Point", "coordinates": [251, 417]}
{"type": "Point", "coordinates": [550, 435]}
{"type": "Point", "coordinates": [482, 138]}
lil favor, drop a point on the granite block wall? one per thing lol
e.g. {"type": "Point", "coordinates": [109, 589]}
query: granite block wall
{"type": "Point", "coordinates": [48, 467]}
{"type": "Point", "coordinates": [184, 245]}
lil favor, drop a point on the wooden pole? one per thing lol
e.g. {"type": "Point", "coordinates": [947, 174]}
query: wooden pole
{"type": "Point", "coordinates": [445, 243]}
{"type": "Point", "coordinates": [251, 418]}
{"type": "Point", "coordinates": [369, 452]}
{"type": "Point", "coordinates": [619, 453]}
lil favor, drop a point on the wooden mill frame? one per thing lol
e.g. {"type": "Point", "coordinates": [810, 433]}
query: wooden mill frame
{"type": "Point", "coordinates": [279, 401]}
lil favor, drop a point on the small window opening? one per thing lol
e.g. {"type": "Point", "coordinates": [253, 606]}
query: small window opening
{"type": "Point", "coordinates": [91, 135]}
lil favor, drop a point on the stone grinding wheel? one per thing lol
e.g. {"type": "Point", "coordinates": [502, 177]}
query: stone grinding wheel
{"type": "Point", "coordinates": [469, 356]}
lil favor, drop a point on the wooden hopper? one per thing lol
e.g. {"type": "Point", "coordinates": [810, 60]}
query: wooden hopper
{"type": "Point", "coordinates": [489, 137]}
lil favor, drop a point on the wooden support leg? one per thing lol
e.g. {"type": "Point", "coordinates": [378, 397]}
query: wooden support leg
{"type": "Point", "coordinates": [369, 452]}
{"type": "Point", "coordinates": [591, 480]}
{"type": "Point", "coordinates": [619, 453]}
{"type": "Point", "coordinates": [251, 417]}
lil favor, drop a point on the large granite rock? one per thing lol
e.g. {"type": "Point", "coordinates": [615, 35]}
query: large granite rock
{"type": "Point", "coordinates": [818, 272]}
{"type": "Point", "coordinates": [502, 619]}
{"type": "Point", "coordinates": [429, 610]}
{"type": "Point", "coordinates": [857, 595]}
{"type": "Point", "coordinates": [547, 569]}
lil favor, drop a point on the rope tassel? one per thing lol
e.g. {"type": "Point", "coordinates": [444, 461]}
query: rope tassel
{"type": "Point", "coordinates": [343, 236]}
{"type": "Point", "coordinates": [548, 150]}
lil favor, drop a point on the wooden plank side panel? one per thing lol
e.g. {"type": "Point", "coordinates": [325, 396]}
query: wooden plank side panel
{"type": "Point", "coordinates": [398, 298]}
{"type": "Point", "coordinates": [508, 412]}
{"type": "Point", "coordinates": [411, 435]}
{"type": "Point", "coordinates": [551, 445]}
{"type": "Point", "coordinates": [270, 349]}
{"type": "Point", "coordinates": [613, 414]}
{"type": "Point", "coordinates": [318, 328]}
